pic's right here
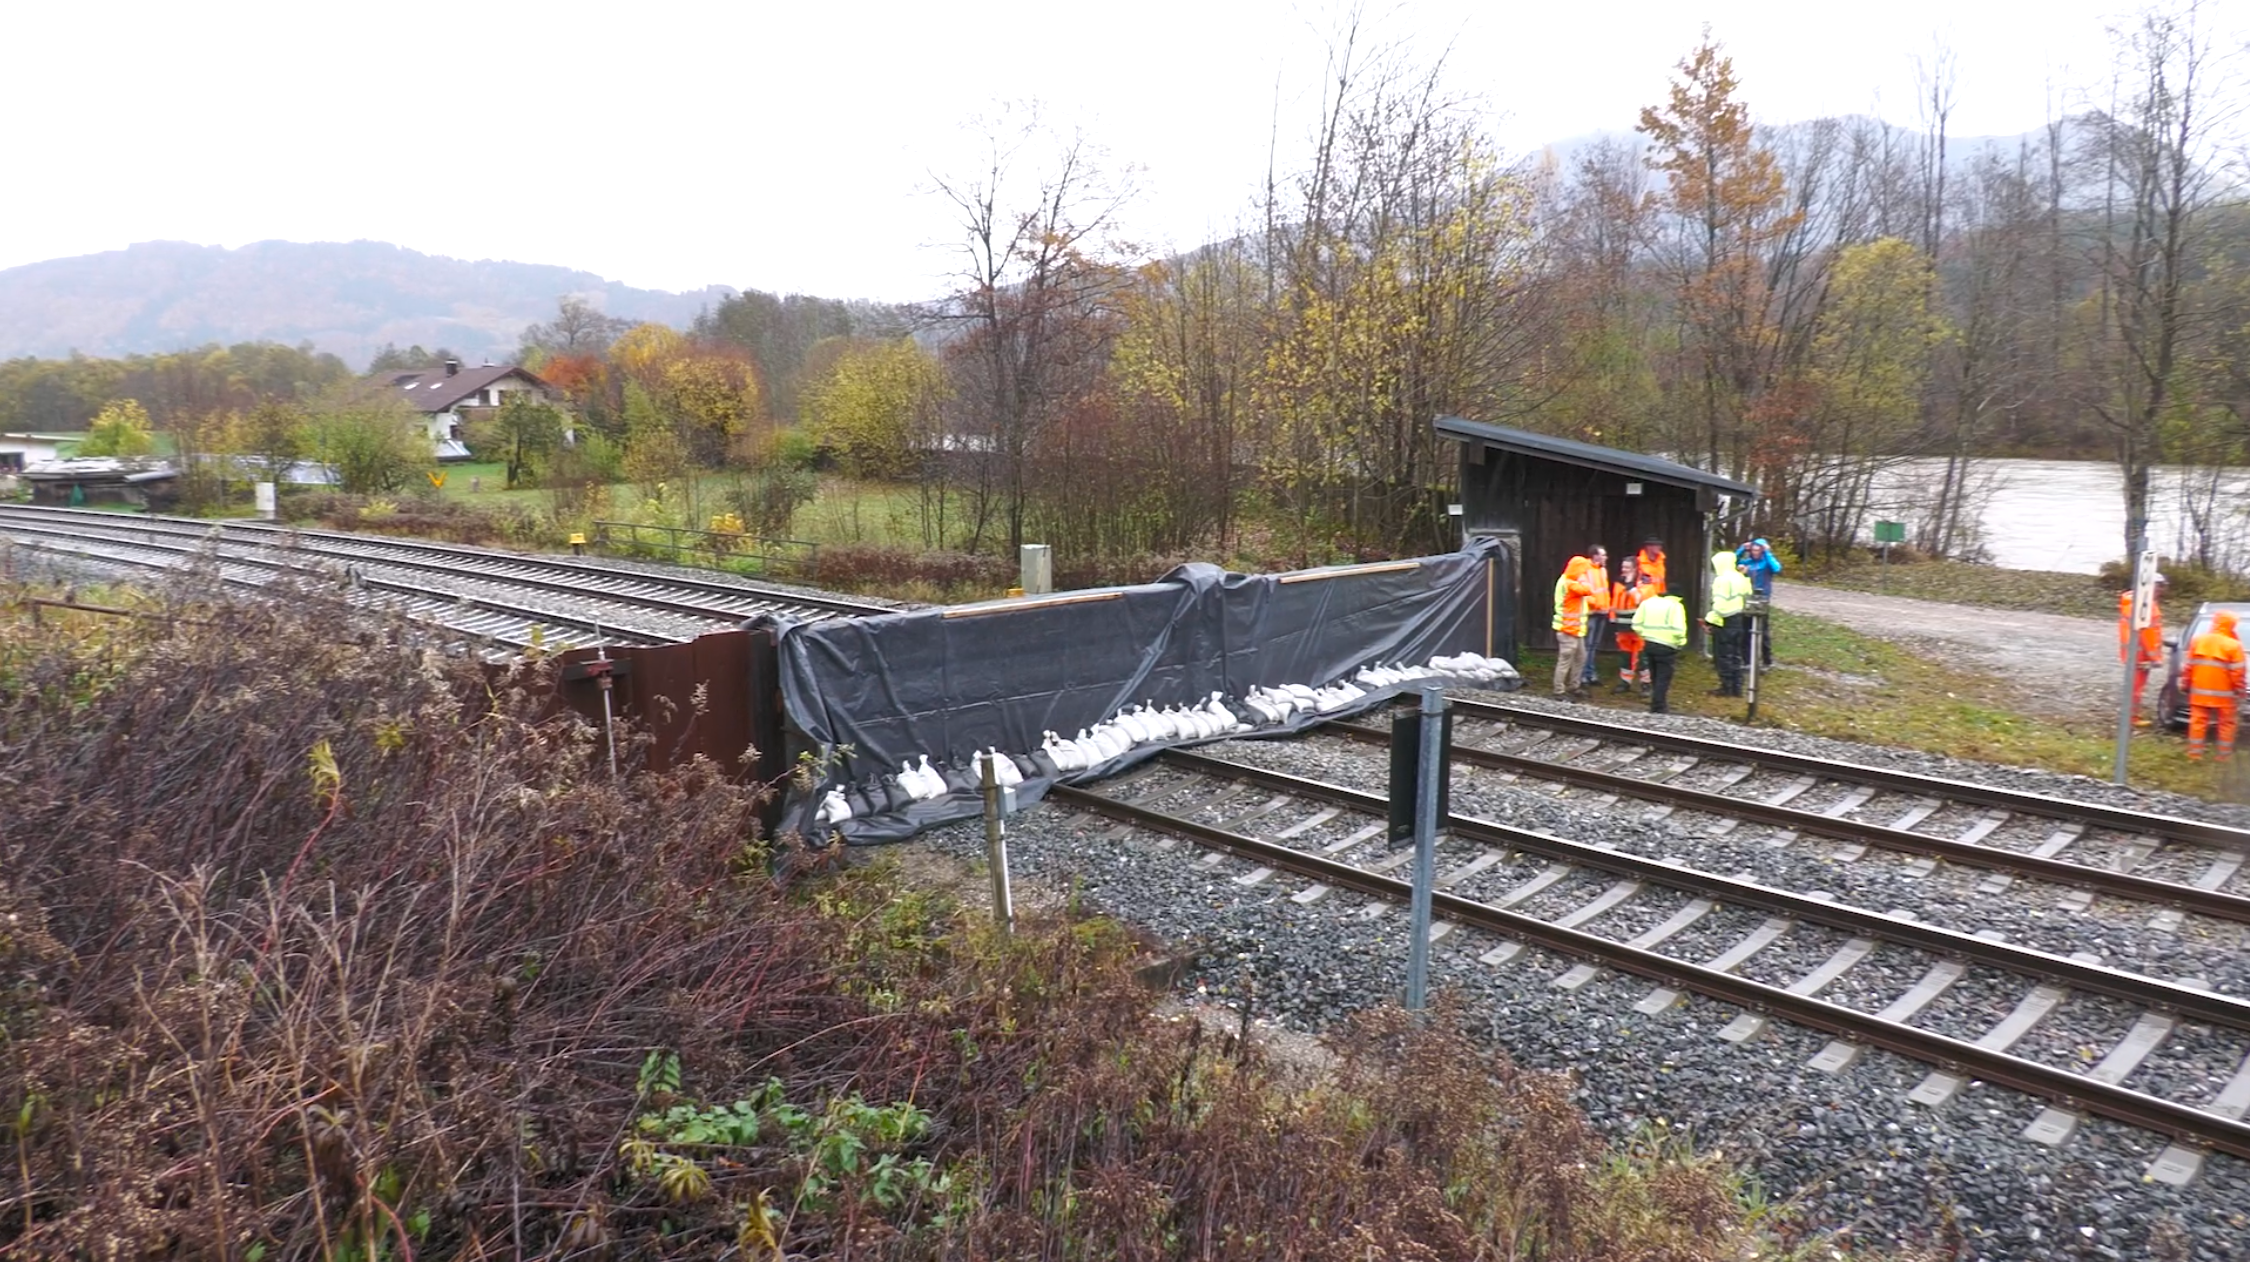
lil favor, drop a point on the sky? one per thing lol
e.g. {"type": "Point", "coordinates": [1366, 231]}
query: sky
{"type": "Point", "coordinates": [796, 147]}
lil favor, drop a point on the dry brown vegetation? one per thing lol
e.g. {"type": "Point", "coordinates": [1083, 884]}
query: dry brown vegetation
{"type": "Point", "coordinates": [316, 944]}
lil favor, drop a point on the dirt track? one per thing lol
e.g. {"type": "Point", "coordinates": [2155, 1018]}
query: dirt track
{"type": "Point", "coordinates": [2068, 665]}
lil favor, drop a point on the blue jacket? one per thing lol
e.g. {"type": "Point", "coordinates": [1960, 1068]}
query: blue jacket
{"type": "Point", "coordinates": [1761, 571]}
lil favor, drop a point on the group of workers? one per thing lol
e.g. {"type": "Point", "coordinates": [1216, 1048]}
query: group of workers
{"type": "Point", "coordinates": [2213, 683]}
{"type": "Point", "coordinates": [1651, 628]}
{"type": "Point", "coordinates": [1651, 623]}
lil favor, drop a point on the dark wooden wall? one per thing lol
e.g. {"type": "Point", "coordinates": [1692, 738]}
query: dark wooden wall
{"type": "Point", "coordinates": [1558, 510]}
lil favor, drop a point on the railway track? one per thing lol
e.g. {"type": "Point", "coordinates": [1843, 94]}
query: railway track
{"type": "Point", "coordinates": [494, 623]}
{"type": "Point", "coordinates": [2179, 867]}
{"type": "Point", "coordinates": [1728, 939]}
{"type": "Point", "coordinates": [475, 590]}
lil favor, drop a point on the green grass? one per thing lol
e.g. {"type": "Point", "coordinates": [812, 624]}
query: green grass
{"type": "Point", "coordinates": [1838, 683]}
{"type": "Point", "coordinates": [485, 482]}
{"type": "Point", "coordinates": [1960, 583]}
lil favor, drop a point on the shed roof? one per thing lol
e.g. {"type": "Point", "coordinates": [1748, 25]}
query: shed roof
{"type": "Point", "coordinates": [1571, 451]}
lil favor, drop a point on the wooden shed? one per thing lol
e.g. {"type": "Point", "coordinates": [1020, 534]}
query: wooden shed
{"type": "Point", "coordinates": [1548, 499]}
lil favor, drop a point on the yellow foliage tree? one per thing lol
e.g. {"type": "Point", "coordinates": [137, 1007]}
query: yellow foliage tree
{"type": "Point", "coordinates": [646, 349]}
{"type": "Point", "coordinates": [121, 428]}
{"type": "Point", "coordinates": [872, 401]}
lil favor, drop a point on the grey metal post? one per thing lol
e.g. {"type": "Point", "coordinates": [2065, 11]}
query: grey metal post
{"type": "Point", "coordinates": [1430, 767]}
{"type": "Point", "coordinates": [1750, 663]}
{"type": "Point", "coordinates": [996, 850]}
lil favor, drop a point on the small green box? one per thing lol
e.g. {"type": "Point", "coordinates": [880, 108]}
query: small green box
{"type": "Point", "coordinates": [1890, 532]}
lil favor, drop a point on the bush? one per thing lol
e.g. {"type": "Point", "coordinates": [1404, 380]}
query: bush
{"type": "Point", "coordinates": [886, 569]}
{"type": "Point", "coordinates": [367, 957]}
{"type": "Point", "coordinates": [2189, 584]}
{"type": "Point", "coordinates": [768, 499]}
{"type": "Point", "coordinates": [430, 517]}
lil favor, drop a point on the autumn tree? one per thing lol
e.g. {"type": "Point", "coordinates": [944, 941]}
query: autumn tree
{"type": "Point", "coordinates": [1402, 260]}
{"type": "Point", "coordinates": [370, 438]}
{"type": "Point", "coordinates": [272, 435]}
{"type": "Point", "coordinates": [526, 432]}
{"type": "Point", "coordinates": [781, 330]}
{"type": "Point", "coordinates": [1730, 205]}
{"type": "Point", "coordinates": [1031, 316]}
{"type": "Point", "coordinates": [579, 328]}
{"type": "Point", "coordinates": [1183, 373]}
{"type": "Point", "coordinates": [121, 428]}
{"type": "Point", "coordinates": [1869, 367]}
{"type": "Point", "coordinates": [875, 405]}
{"type": "Point", "coordinates": [413, 359]}
{"type": "Point", "coordinates": [2161, 175]}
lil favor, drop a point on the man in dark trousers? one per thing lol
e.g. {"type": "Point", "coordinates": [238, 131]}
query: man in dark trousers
{"type": "Point", "coordinates": [1730, 597]}
{"type": "Point", "coordinates": [1661, 622]}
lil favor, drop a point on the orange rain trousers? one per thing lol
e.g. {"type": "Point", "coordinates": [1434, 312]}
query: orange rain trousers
{"type": "Point", "coordinates": [2201, 718]}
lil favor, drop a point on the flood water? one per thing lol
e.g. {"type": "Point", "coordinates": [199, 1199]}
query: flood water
{"type": "Point", "coordinates": [2069, 515]}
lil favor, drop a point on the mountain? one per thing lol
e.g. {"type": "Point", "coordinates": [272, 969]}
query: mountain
{"type": "Point", "coordinates": [348, 298]}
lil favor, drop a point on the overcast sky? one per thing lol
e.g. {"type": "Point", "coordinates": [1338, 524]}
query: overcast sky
{"type": "Point", "coordinates": [792, 146]}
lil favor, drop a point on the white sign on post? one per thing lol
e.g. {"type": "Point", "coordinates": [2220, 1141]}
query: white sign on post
{"type": "Point", "coordinates": [266, 502]}
{"type": "Point", "coordinates": [2144, 590]}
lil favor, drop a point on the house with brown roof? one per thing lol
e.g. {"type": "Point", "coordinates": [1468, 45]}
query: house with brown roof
{"type": "Point", "coordinates": [450, 396]}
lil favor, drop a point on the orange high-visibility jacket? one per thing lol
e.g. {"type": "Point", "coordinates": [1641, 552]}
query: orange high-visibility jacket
{"type": "Point", "coordinates": [1580, 588]}
{"type": "Point", "coordinates": [2152, 635]}
{"type": "Point", "coordinates": [1652, 571]}
{"type": "Point", "coordinates": [2215, 666]}
{"type": "Point", "coordinates": [1623, 599]}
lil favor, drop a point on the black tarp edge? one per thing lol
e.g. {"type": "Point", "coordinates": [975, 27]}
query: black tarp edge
{"type": "Point", "coordinates": [866, 695]}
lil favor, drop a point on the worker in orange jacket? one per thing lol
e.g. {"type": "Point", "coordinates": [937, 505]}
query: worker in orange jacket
{"type": "Point", "coordinates": [2151, 642]}
{"type": "Point", "coordinates": [1650, 561]}
{"type": "Point", "coordinates": [2214, 685]}
{"type": "Point", "coordinates": [1582, 589]}
{"type": "Point", "coordinates": [1624, 597]}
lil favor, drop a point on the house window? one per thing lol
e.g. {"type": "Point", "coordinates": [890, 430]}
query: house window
{"type": "Point", "coordinates": [454, 432]}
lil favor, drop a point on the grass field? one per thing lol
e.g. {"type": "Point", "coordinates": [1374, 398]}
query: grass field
{"type": "Point", "coordinates": [846, 511]}
{"type": "Point", "coordinates": [1838, 683]}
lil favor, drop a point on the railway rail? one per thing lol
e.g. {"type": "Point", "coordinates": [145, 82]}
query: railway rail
{"type": "Point", "coordinates": [1854, 790]}
{"type": "Point", "coordinates": [491, 622]}
{"type": "Point", "coordinates": [1244, 797]}
{"type": "Point", "coordinates": [475, 590]}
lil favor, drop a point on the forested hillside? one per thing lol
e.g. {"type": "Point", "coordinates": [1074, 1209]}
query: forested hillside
{"type": "Point", "coordinates": [347, 299]}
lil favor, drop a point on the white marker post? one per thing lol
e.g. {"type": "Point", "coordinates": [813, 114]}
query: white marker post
{"type": "Point", "coordinates": [2144, 599]}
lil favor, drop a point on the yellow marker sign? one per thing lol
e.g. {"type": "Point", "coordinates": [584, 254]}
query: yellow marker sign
{"type": "Point", "coordinates": [437, 478]}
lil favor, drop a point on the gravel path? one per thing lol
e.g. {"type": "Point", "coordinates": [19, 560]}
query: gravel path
{"type": "Point", "coordinates": [2073, 660]}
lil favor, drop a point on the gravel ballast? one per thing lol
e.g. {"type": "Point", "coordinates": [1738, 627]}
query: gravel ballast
{"type": "Point", "coordinates": [1850, 1148]}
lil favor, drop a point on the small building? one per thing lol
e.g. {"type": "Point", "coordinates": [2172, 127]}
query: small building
{"type": "Point", "coordinates": [449, 397]}
{"type": "Point", "coordinates": [1548, 499]}
{"type": "Point", "coordinates": [103, 480]}
{"type": "Point", "coordinates": [19, 451]}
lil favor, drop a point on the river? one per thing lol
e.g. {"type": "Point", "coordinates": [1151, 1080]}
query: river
{"type": "Point", "coordinates": [2069, 515]}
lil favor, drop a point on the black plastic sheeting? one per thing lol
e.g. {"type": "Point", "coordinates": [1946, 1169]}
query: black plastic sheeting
{"type": "Point", "coordinates": [869, 694]}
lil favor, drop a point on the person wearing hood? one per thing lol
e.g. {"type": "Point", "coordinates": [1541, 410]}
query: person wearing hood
{"type": "Point", "coordinates": [1758, 561]}
{"type": "Point", "coordinates": [2146, 649]}
{"type": "Point", "coordinates": [1582, 589]}
{"type": "Point", "coordinates": [1730, 595]}
{"type": "Point", "coordinates": [2214, 686]}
